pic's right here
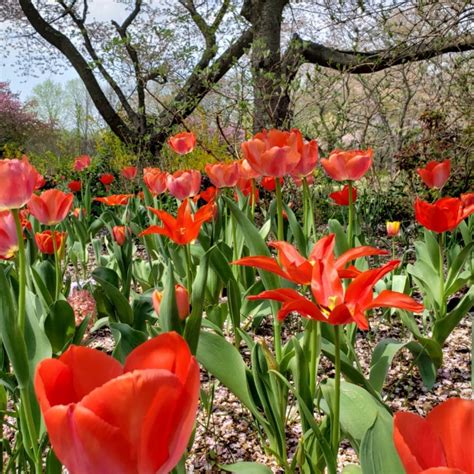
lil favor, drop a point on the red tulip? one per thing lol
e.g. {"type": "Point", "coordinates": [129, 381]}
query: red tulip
{"type": "Point", "coordinates": [292, 266]}
{"type": "Point", "coordinates": [393, 228]}
{"type": "Point", "coordinates": [269, 183]}
{"type": "Point", "coordinates": [120, 234]}
{"type": "Point", "coordinates": [129, 172]}
{"type": "Point", "coordinates": [82, 162]}
{"type": "Point", "coordinates": [8, 236]}
{"type": "Point", "coordinates": [299, 181]}
{"type": "Point", "coordinates": [106, 179]}
{"type": "Point", "coordinates": [18, 181]}
{"type": "Point", "coordinates": [342, 197]}
{"type": "Point", "coordinates": [308, 160]}
{"type": "Point", "coordinates": [182, 301]}
{"type": "Point", "coordinates": [74, 186]}
{"type": "Point", "coordinates": [155, 180]}
{"type": "Point", "coordinates": [443, 215]}
{"type": "Point", "coordinates": [245, 186]}
{"type": "Point", "coordinates": [40, 181]}
{"type": "Point", "coordinates": [274, 153]}
{"type": "Point", "coordinates": [77, 212]}
{"type": "Point", "coordinates": [185, 228]}
{"type": "Point", "coordinates": [435, 174]}
{"type": "Point", "coordinates": [105, 418]}
{"type": "Point", "coordinates": [184, 184]}
{"type": "Point", "coordinates": [51, 207]}
{"type": "Point", "coordinates": [114, 199]}
{"type": "Point", "coordinates": [223, 175]}
{"type": "Point", "coordinates": [440, 443]}
{"type": "Point", "coordinates": [25, 222]}
{"type": "Point", "coordinates": [44, 241]}
{"type": "Point", "coordinates": [347, 165]}
{"type": "Point", "coordinates": [467, 201]}
{"type": "Point", "coordinates": [207, 195]}
{"type": "Point", "coordinates": [182, 143]}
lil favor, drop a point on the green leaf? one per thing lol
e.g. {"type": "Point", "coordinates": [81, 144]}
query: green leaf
{"type": "Point", "coordinates": [297, 231]}
{"type": "Point", "coordinates": [223, 361]}
{"type": "Point", "coordinates": [377, 452]}
{"type": "Point", "coordinates": [60, 324]}
{"type": "Point", "coordinates": [351, 469]}
{"type": "Point", "coordinates": [194, 320]}
{"type": "Point", "coordinates": [335, 227]}
{"type": "Point", "coordinates": [169, 317]}
{"type": "Point", "coordinates": [457, 266]}
{"type": "Point", "coordinates": [126, 339]}
{"type": "Point", "coordinates": [246, 468]}
{"type": "Point", "coordinates": [44, 281]}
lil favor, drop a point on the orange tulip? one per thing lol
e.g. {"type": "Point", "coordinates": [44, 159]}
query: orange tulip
{"type": "Point", "coordinates": [347, 165]}
{"type": "Point", "coordinates": [155, 180]}
{"type": "Point", "coordinates": [393, 228]}
{"type": "Point", "coordinates": [82, 162]}
{"type": "Point", "coordinates": [129, 172]}
{"type": "Point", "coordinates": [18, 181]}
{"type": "Point", "coordinates": [8, 236]}
{"type": "Point", "coordinates": [184, 184]}
{"type": "Point", "coordinates": [223, 175]}
{"type": "Point", "coordinates": [246, 172]}
{"type": "Point", "coordinates": [207, 195]}
{"type": "Point", "coordinates": [342, 197]}
{"type": "Point", "coordinates": [443, 215]}
{"type": "Point", "coordinates": [51, 207]}
{"type": "Point", "coordinates": [269, 183]}
{"type": "Point", "coordinates": [440, 443]}
{"type": "Point", "coordinates": [309, 158]}
{"type": "Point", "coordinates": [120, 233]}
{"type": "Point", "coordinates": [44, 241]}
{"type": "Point", "coordinates": [185, 228]}
{"type": "Point", "coordinates": [104, 418]}
{"type": "Point", "coordinates": [114, 199]}
{"type": "Point", "coordinates": [106, 179]}
{"type": "Point", "coordinates": [435, 174]}
{"type": "Point", "coordinates": [24, 218]}
{"type": "Point", "coordinates": [273, 153]}
{"type": "Point", "coordinates": [40, 181]}
{"type": "Point", "coordinates": [182, 143]}
{"type": "Point", "coordinates": [182, 301]}
{"type": "Point", "coordinates": [74, 186]}
{"type": "Point", "coordinates": [76, 212]}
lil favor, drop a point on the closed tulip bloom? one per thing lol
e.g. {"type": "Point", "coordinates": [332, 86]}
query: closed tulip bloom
{"type": "Point", "coordinates": [129, 172]}
{"type": "Point", "coordinates": [8, 236]}
{"type": "Point", "coordinates": [347, 165]}
{"type": "Point", "coordinates": [269, 183]}
{"type": "Point", "coordinates": [467, 201]}
{"type": "Point", "coordinates": [185, 228]}
{"type": "Point", "coordinates": [106, 179]}
{"type": "Point", "coordinates": [342, 197]}
{"type": "Point", "coordinates": [443, 215]}
{"type": "Point", "coordinates": [105, 418]}
{"type": "Point", "coordinates": [182, 143]}
{"type": "Point", "coordinates": [74, 186]}
{"type": "Point", "coordinates": [40, 182]}
{"type": "Point", "coordinates": [44, 241]}
{"type": "Point", "coordinates": [207, 195]}
{"type": "Point", "coordinates": [18, 181]}
{"type": "Point", "coordinates": [435, 173]}
{"type": "Point", "coordinates": [308, 160]}
{"type": "Point", "coordinates": [182, 301]}
{"type": "Point", "coordinates": [184, 184]}
{"type": "Point", "coordinates": [120, 234]}
{"type": "Point", "coordinates": [393, 228]}
{"type": "Point", "coordinates": [273, 153]}
{"type": "Point", "coordinates": [51, 206]}
{"type": "Point", "coordinates": [155, 180]}
{"type": "Point", "coordinates": [223, 175]}
{"type": "Point", "coordinates": [82, 162]}
{"type": "Point", "coordinates": [76, 212]}
{"type": "Point", "coordinates": [114, 199]}
{"type": "Point", "coordinates": [439, 443]}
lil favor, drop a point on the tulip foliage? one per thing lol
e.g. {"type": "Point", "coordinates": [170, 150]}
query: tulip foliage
{"type": "Point", "coordinates": [181, 276]}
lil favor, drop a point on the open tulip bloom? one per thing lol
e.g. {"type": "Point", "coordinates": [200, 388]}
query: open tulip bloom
{"type": "Point", "coordinates": [105, 418]}
{"type": "Point", "coordinates": [185, 228]}
{"type": "Point", "coordinates": [435, 174]}
{"type": "Point", "coordinates": [51, 207]}
{"type": "Point", "coordinates": [332, 304]}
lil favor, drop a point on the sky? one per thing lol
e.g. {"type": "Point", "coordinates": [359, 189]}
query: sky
{"type": "Point", "coordinates": [24, 84]}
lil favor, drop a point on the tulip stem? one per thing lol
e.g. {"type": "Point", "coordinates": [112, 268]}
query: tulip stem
{"type": "Point", "coordinates": [279, 200]}
{"type": "Point", "coordinates": [314, 334]}
{"type": "Point", "coordinates": [189, 278]}
{"type": "Point", "coordinates": [57, 265]}
{"type": "Point", "coordinates": [350, 226]}
{"type": "Point", "coordinates": [337, 390]}
{"type": "Point", "coordinates": [31, 430]}
{"type": "Point", "coordinates": [21, 272]}
{"type": "Point", "coordinates": [443, 306]}
{"type": "Point", "coordinates": [308, 212]}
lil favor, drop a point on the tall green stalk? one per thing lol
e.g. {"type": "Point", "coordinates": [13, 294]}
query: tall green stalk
{"type": "Point", "coordinates": [350, 226]}
{"type": "Point", "coordinates": [57, 265]}
{"type": "Point", "coordinates": [21, 272]}
{"type": "Point", "coordinates": [337, 389]}
{"type": "Point", "coordinates": [308, 224]}
{"type": "Point", "coordinates": [189, 275]}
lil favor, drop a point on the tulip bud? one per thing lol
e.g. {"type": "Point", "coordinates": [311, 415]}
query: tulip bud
{"type": "Point", "coordinates": [182, 301]}
{"type": "Point", "coordinates": [393, 228]}
{"type": "Point", "coordinates": [120, 233]}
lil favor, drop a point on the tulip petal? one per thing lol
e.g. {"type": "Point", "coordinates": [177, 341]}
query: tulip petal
{"type": "Point", "coordinates": [264, 263]}
{"type": "Point", "coordinates": [323, 248]}
{"type": "Point", "coordinates": [86, 444]}
{"type": "Point", "coordinates": [453, 421]}
{"type": "Point", "coordinates": [283, 295]}
{"type": "Point", "coordinates": [394, 299]}
{"type": "Point", "coordinates": [442, 470]}
{"type": "Point", "coordinates": [304, 307]}
{"type": "Point", "coordinates": [417, 444]}
{"type": "Point", "coordinates": [358, 252]}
